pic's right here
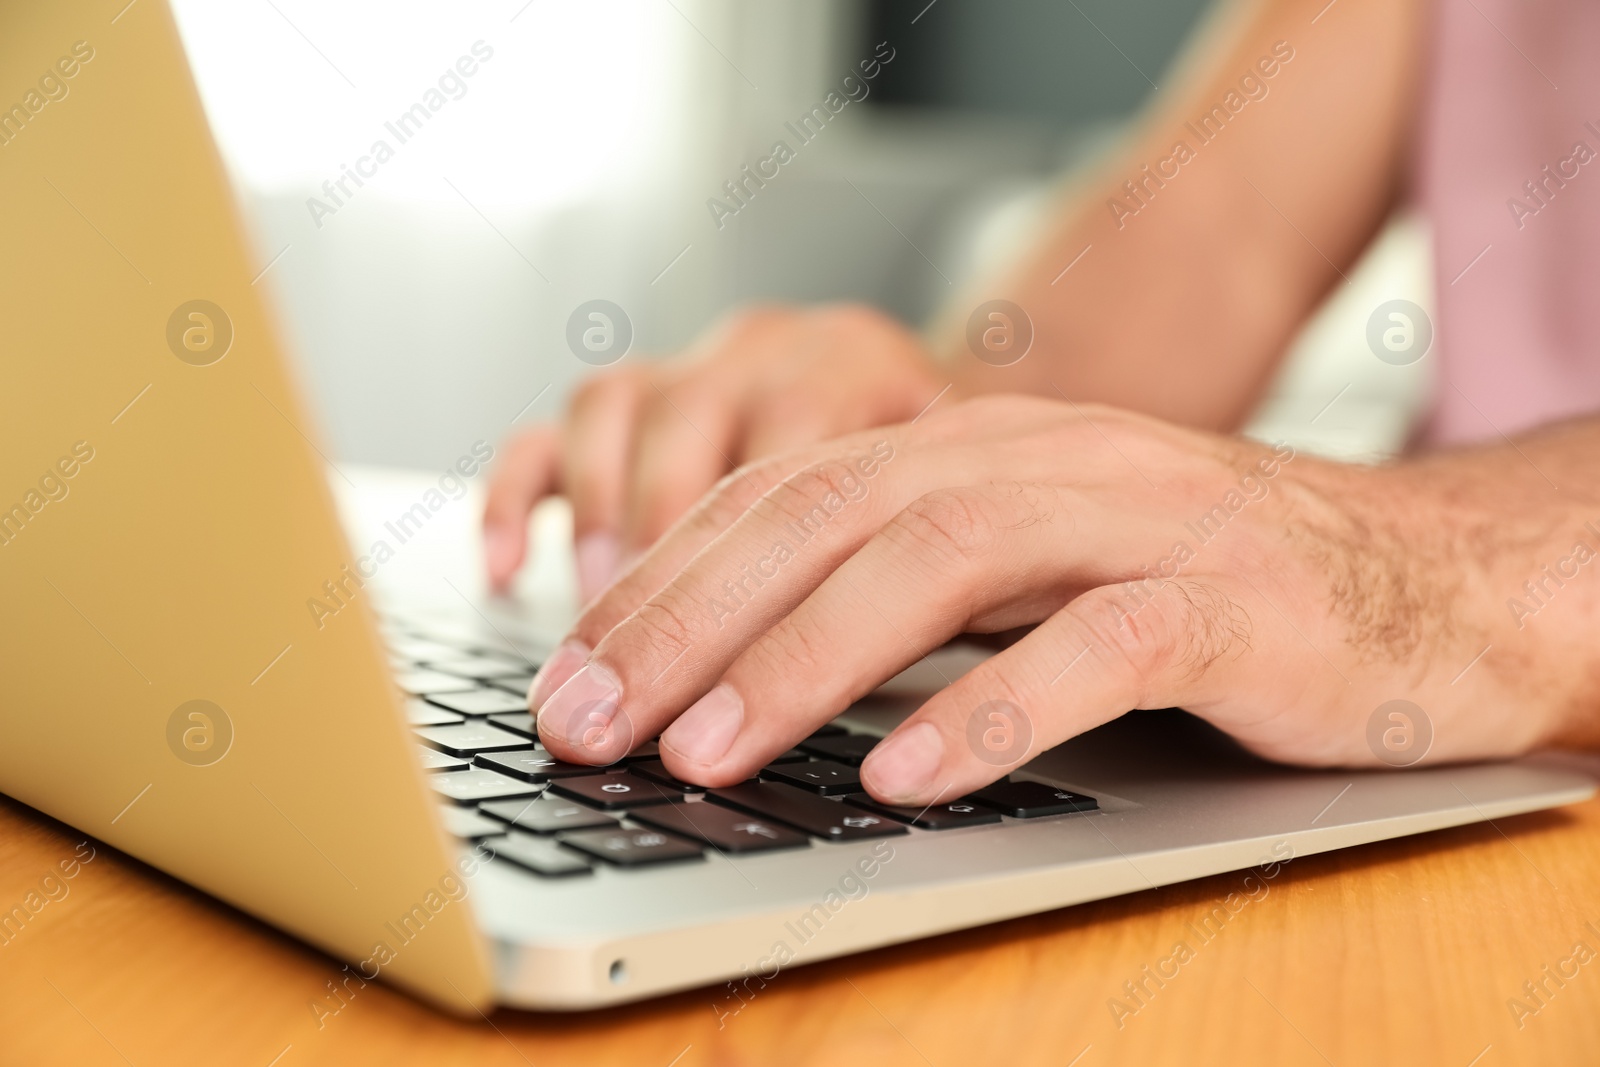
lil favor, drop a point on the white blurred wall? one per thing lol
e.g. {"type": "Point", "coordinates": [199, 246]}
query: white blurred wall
{"type": "Point", "coordinates": [430, 309]}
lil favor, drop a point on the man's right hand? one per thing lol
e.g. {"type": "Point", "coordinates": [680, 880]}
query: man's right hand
{"type": "Point", "coordinates": [640, 445]}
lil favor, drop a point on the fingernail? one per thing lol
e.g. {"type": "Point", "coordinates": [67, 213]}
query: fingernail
{"type": "Point", "coordinates": [902, 767]}
{"type": "Point", "coordinates": [597, 555]}
{"type": "Point", "coordinates": [704, 733]}
{"type": "Point", "coordinates": [563, 663]}
{"type": "Point", "coordinates": [500, 552]}
{"type": "Point", "coordinates": [579, 712]}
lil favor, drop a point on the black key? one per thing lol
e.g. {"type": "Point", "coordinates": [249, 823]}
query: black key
{"type": "Point", "coordinates": [547, 815]}
{"type": "Point", "coordinates": [517, 723]}
{"type": "Point", "coordinates": [423, 683]}
{"type": "Point", "coordinates": [480, 702]}
{"type": "Point", "coordinates": [821, 776]}
{"type": "Point", "coordinates": [720, 827]}
{"type": "Point", "coordinates": [469, 738]}
{"type": "Point", "coordinates": [421, 713]}
{"type": "Point", "coordinates": [631, 848]}
{"type": "Point", "coordinates": [612, 791]}
{"type": "Point", "coordinates": [805, 811]}
{"type": "Point", "coordinates": [471, 786]}
{"type": "Point", "coordinates": [650, 750]}
{"type": "Point", "coordinates": [539, 855]}
{"type": "Point", "coordinates": [657, 771]}
{"type": "Point", "coordinates": [957, 813]}
{"type": "Point", "coordinates": [827, 730]}
{"type": "Point", "coordinates": [1030, 800]}
{"type": "Point", "coordinates": [437, 761]}
{"type": "Point", "coordinates": [531, 764]}
{"type": "Point", "coordinates": [794, 755]}
{"type": "Point", "coordinates": [846, 748]}
{"type": "Point", "coordinates": [466, 823]}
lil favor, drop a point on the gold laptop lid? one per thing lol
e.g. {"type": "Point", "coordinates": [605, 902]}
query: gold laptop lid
{"type": "Point", "coordinates": [164, 519]}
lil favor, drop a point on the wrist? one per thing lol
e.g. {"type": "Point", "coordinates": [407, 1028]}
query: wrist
{"type": "Point", "coordinates": [1506, 577]}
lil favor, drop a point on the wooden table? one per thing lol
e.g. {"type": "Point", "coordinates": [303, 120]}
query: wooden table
{"type": "Point", "coordinates": [1403, 952]}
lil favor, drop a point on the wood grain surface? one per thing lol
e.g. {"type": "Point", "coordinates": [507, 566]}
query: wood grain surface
{"type": "Point", "coordinates": [1413, 951]}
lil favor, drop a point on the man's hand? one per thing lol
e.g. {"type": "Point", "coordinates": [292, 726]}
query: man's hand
{"type": "Point", "coordinates": [640, 445]}
{"type": "Point", "coordinates": [1282, 598]}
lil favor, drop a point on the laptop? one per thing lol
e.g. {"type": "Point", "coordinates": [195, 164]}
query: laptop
{"type": "Point", "coordinates": [196, 670]}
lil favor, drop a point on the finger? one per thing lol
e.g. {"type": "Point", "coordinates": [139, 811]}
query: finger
{"type": "Point", "coordinates": [1089, 663]}
{"type": "Point", "coordinates": [528, 471]}
{"type": "Point", "coordinates": [595, 443]}
{"type": "Point", "coordinates": [791, 420]}
{"type": "Point", "coordinates": [715, 513]}
{"type": "Point", "coordinates": [650, 664]}
{"type": "Point", "coordinates": [794, 409]}
{"type": "Point", "coordinates": [674, 648]}
{"type": "Point", "coordinates": [682, 444]}
{"type": "Point", "coordinates": [826, 386]}
{"type": "Point", "coordinates": [990, 557]}
{"type": "Point", "coordinates": [728, 502]}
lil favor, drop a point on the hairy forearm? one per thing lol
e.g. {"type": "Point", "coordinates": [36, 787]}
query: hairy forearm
{"type": "Point", "coordinates": [1197, 249]}
{"type": "Point", "coordinates": [1480, 567]}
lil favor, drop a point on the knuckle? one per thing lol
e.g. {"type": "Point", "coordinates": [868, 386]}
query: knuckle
{"type": "Point", "coordinates": [1122, 631]}
{"type": "Point", "coordinates": [695, 395]}
{"type": "Point", "coordinates": [734, 493]}
{"type": "Point", "coordinates": [589, 392]}
{"type": "Point", "coordinates": [684, 393]}
{"type": "Point", "coordinates": [753, 479]}
{"type": "Point", "coordinates": [1011, 684]}
{"type": "Point", "coordinates": [602, 388]}
{"type": "Point", "coordinates": [657, 414]}
{"type": "Point", "coordinates": [663, 625]}
{"type": "Point", "coordinates": [1019, 505]}
{"type": "Point", "coordinates": [813, 495]}
{"type": "Point", "coordinates": [956, 525]}
{"type": "Point", "coordinates": [794, 649]}
{"type": "Point", "coordinates": [752, 323]}
{"type": "Point", "coordinates": [1175, 630]}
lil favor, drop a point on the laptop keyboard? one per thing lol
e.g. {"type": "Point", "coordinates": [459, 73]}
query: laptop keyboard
{"type": "Point", "coordinates": [467, 707]}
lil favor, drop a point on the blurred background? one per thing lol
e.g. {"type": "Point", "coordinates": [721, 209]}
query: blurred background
{"type": "Point", "coordinates": [428, 305]}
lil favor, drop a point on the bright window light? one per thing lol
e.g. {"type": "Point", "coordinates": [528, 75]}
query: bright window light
{"type": "Point", "coordinates": [564, 99]}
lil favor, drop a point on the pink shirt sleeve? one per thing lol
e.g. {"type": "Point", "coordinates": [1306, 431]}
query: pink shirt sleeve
{"type": "Point", "coordinates": [1509, 173]}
